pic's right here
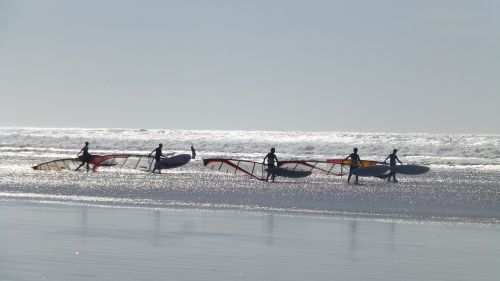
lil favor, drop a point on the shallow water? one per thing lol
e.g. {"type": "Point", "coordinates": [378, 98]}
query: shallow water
{"type": "Point", "coordinates": [460, 186]}
{"type": "Point", "coordinates": [193, 223]}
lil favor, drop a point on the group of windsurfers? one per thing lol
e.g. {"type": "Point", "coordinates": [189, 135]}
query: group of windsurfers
{"type": "Point", "coordinates": [86, 158]}
{"type": "Point", "coordinates": [354, 164]}
{"type": "Point", "coordinates": [356, 160]}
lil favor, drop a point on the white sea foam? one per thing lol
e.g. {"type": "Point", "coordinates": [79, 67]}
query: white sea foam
{"type": "Point", "coordinates": [430, 149]}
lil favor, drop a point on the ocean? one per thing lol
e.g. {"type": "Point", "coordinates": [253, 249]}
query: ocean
{"type": "Point", "coordinates": [462, 185]}
{"type": "Point", "coordinates": [193, 223]}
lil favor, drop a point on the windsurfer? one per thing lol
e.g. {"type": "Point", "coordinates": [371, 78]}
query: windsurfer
{"type": "Point", "coordinates": [158, 155]}
{"type": "Point", "coordinates": [271, 160]}
{"type": "Point", "coordinates": [354, 164]}
{"type": "Point", "coordinates": [193, 152]}
{"type": "Point", "coordinates": [86, 158]}
{"type": "Point", "coordinates": [392, 162]}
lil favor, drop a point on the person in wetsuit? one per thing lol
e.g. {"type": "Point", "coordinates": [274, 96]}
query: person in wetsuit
{"type": "Point", "coordinates": [158, 155]}
{"type": "Point", "coordinates": [85, 157]}
{"type": "Point", "coordinates": [193, 152]}
{"type": "Point", "coordinates": [271, 160]}
{"type": "Point", "coordinates": [392, 162]}
{"type": "Point", "coordinates": [355, 161]}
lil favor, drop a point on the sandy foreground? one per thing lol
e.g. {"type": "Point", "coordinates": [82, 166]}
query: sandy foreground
{"type": "Point", "coordinates": [50, 241]}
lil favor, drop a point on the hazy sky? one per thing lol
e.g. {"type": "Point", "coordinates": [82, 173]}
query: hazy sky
{"type": "Point", "coordinates": [403, 66]}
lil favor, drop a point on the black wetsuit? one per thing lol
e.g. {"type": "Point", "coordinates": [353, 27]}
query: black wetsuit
{"type": "Point", "coordinates": [354, 161]}
{"type": "Point", "coordinates": [158, 154]}
{"type": "Point", "coordinates": [86, 157]}
{"type": "Point", "coordinates": [271, 157]}
{"type": "Point", "coordinates": [392, 162]}
{"type": "Point", "coordinates": [392, 159]}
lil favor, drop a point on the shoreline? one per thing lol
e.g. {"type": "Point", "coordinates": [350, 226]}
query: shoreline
{"type": "Point", "coordinates": [339, 214]}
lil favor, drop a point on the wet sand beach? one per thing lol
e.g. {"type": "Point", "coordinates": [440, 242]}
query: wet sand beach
{"type": "Point", "coordinates": [64, 241]}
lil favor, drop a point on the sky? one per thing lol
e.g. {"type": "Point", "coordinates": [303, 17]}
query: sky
{"type": "Point", "coordinates": [384, 66]}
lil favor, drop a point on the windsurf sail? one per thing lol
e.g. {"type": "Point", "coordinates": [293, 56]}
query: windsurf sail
{"type": "Point", "coordinates": [314, 166]}
{"type": "Point", "coordinates": [58, 165]}
{"type": "Point", "coordinates": [138, 162]}
{"type": "Point", "coordinates": [248, 168]}
{"type": "Point", "coordinates": [251, 169]}
{"type": "Point", "coordinates": [362, 163]}
{"type": "Point", "coordinates": [73, 163]}
{"type": "Point", "coordinates": [144, 163]}
{"type": "Point", "coordinates": [334, 167]}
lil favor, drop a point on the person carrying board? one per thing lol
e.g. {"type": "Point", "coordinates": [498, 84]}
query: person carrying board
{"type": "Point", "coordinates": [271, 159]}
{"type": "Point", "coordinates": [86, 158]}
{"type": "Point", "coordinates": [158, 155]}
{"type": "Point", "coordinates": [355, 160]}
{"type": "Point", "coordinates": [392, 162]}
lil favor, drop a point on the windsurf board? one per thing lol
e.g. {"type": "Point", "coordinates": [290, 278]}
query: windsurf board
{"type": "Point", "coordinates": [370, 171]}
